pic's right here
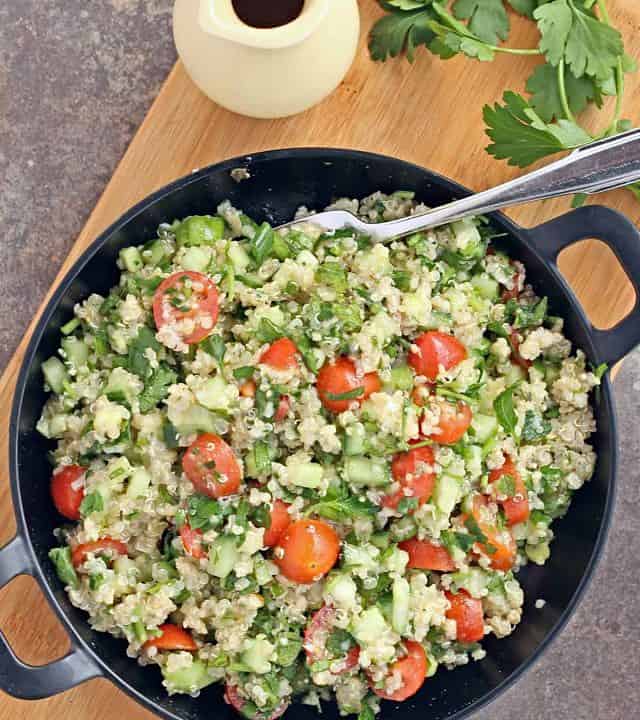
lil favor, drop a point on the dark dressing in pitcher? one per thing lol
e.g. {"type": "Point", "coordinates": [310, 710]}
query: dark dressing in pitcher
{"type": "Point", "coordinates": [267, 13]}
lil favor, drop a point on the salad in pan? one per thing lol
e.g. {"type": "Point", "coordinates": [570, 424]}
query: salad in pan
{"type": "Point", "coordinates": [305, 465]}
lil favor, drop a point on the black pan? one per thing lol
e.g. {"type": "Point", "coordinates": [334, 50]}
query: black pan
{"type": "Point", "coordinates": [280, 182]}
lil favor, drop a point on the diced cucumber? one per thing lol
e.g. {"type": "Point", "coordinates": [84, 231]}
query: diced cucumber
{"type": "Point", "coordinates": [402, 377]}
{"type": "Point", "coordinates": [484, 427]}
{"type": "Point", "coordinates": [194, 419]}
{"type": "Point", "coordinates": [280, 248]}
{"type": "Point", "coordinates": [138, 483]}
{"type": "Point", "coordinates": [446, 493]}
{"type": "Point", "coordinates": [154, 253]}
{"type": "Point", "coordinates": [223, 556]}
{"type": "Point", "coordinates": [271, 313]}
{"type": "Point", "coordinates": [306, 475]}
{"type": "Point", "coordinates": [188, 679]}
{"type": "Point", "coordinates": [118, 339]}
{"type": "Point", "coordinates": [372, 472]}
{"type": "Point", "coordinates": [257, 655]}
{"type": "Point", "coordinates": [125, 566]}
{"type": "Point", "coordinates": [122, 385]}
{"type": "Point", "coordinates": [370, 627]}
{"type": "Point", "coordinates": [474, 580]}
{"type": "Point", "coordinates": [486, 286]}
{"type": "Point", "coordinates": [395, 560]}
{"type": "Point", "coordinates": [400, 606]}
{"type": "Point", "coordinates": [261, 570]}
{"type": "Point", "coordinates": [108, 419]}
{"type": "Point", "coordinates": [414, 305]}
{"type": "Point", "coordinates": [514, 374]}
{"type": "Point", "coordinates": [213, 393]}
{"type": "Point", "coordinates": [239, 257]}
{"type": "Point", "coordinates": [200, 230]}
{"type": "Point", "coordinates": [131, 259]}
{"type": "Point", "coordinates": [340, 590]}
{"type": "Point", "coordinates": [196, 258]}
{"type": "Point", "coordinates": [539, 554]}
{"type": "Point", "coordinates": [358, 555]}
{"type": "Point", "coordinates": [76, 351]}
{"type": "Point", "coordinates": [473, 460]}
{"type": "Point", "coordinates": [354, 439]}
{"type": "Point", "coordinates": [55, 374]}
{"type": "Point", "coordinates": [69, 327]}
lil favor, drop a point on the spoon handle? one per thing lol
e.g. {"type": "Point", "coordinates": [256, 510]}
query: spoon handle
{"type": "Point", "coordinates": [602, 165]}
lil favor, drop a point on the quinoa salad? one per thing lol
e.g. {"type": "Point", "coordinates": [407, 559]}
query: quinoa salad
{"type": "Point", "coordinates": [308, 466]}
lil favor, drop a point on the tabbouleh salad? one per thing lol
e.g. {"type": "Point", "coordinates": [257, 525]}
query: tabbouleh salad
{"type": "Point", "coordinates": [305, 465]}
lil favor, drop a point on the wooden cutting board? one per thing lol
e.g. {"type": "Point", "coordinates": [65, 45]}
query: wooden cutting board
{"type": "Point", "coordinates": [428, 113]}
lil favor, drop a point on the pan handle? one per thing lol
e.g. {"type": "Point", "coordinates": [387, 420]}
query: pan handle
{"type": "Point", "coordinates": [31, 682]}
{"type": "Point", "coordinates": [621, 235]}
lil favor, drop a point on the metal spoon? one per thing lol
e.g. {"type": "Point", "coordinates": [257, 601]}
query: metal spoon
{"type": "Point", "coordinates": [599, 166]}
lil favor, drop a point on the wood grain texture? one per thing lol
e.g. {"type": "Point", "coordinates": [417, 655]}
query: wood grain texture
{"type": "Point", "coordinates": [428, 113]}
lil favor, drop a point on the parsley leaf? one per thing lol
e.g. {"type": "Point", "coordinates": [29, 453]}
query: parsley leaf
{"type": "Point", "coordinates": [92, 502]}
{"type": "Point", "coordinates": [136, 360]}
{"type": "Point", "coordinates": [214, 345]}
{"type": "Point", "coordinates": [268, 331]}
{"type": "Point", "coordinates": [545, 92]}
{"type": "Point", "coordinates": [61, 558]}
{"type": "Point", "coordinates": [521, 136]}
{"type": "Point", "coordinates": [453, 37]}
{"type": "Point", "coordinates": [524, 7]}
{"type": "Point", "coordinates": [487, 18]}
{"type": "Point", "coordinates": [453, 539]}
{"type": "Point", "coordinates": [535, 427]}
{"type": "Point", "coordinates": [503, 406]}
{"type": "Point", "coordinates": [571, 33]}
{"type": "Point", "coordinates": [156, 387]}
{"type": "Point", "coordinates": [400, 31]}
{"type": "Point", "coordinates": [338, 505]}
{"type": "Point", "coordinates": [529, 316]}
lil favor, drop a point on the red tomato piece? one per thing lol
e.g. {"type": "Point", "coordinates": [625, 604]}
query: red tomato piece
{"type": "Point", "coordinates": [501, 546]}
{"type": "Point", "coordinates": [453, 423]}
{"type": "Point", "coordinates": [426, 555]}
{"type": "Point", "coordinates": [516, 507]}
{"type": "Point", "coordinates": [467, 612]}
{"type": "Point", "coordinates": [283, 408]}
{"type": "Point", "coordinates": [248, 389]}
{"type": "Point", "coordinates": [173, 638]}
{"type": "Point", "coordinates": [414, 471]}
{"type": "Point", "coordinates": [280, 521]}
{"type": "Point", "coordinates": [232, 697]}
{"type": "Point", "coordinates": [316, 635]}
{"type": "Point", "coordinates": [514, 292]}
{"type": "Point", "coordinates": [307, 550]}
{"type": "Point", "coordinates": [212, 467]}
{"type": "Point", "coordinates": [514, 341]}
{"type": "Point", "coordinates": [413, 670]}
{"type": "Point", "coordinates": [436, 349]}
{"type": "Point", "coordinates": [281, 355]}
{"type": "Point", "coordinates": [67, 490]}
{"type": "Point", "coordinates": [187, 300]}
{"type": "Point", "coordinates": [339, 378]}
{"type": "Point", "coordinates": [192, 541]}
{"type": "Point", "coordinates": [104, 545]}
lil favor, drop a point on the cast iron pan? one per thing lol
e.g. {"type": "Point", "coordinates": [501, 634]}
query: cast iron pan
{"type": "Point", "coordinates": [280, 182]}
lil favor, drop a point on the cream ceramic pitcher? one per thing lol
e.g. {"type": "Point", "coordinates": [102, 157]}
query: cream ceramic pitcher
{"type": "Point", "coordinates": [266, 73]}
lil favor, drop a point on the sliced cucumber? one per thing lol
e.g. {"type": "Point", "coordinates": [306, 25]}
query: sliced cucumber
{"type": "Point", "coordinates": [154, 253]}
{"type": "Point", "coordinates": [223, 556]}
{"type": "Point", "coordinates": [196, 258]}
{"type": "Point", "coordinates": [446, 493]}
{"type": "Point", "coordinates": [257, 655]}
{"type": "Point", "coordinates": [200, 230]}
{"type": "Point", "coordinates": [280, 248]}
{"type": "Point", "coordinates": [55, 374]}
{"type": "Point", "coordinates": [131, 259]}
{"type": "Point", "coordinates": [372, 472]}
{"type": "Point", "coordinates": [188, 679]}
{"type": "Point", "coordinates": [306, 475]}
{"type": "Point", "coordinates": [354, 439]}
{"type": "Point", "coordinates": [400, 606]}
{"type": "Point", "coordinates": [484, 427]}
{"type": "Point", "coordinates": [76, 351]}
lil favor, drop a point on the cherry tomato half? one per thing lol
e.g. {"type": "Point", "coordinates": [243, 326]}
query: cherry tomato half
{"type": "Point", "coordinates": [339, 378]}
{"type": "Point", "coordinates": [414, 471]}
{"type": "Point", "coordinates": [281, 355]}
{"type": "Point", "coordinates": [436, 349]}
{"type": "Point", "coordinates": [187, 300]}
{"type": "Point", "coordinates": [316, 635]}
{"type": "Point", "coordinates": [105, 545]}
{"type": "Point", "coordinates": [467, 612]}
{"type": "Point", "coordinates": [192, 542]}
{"type": "Point", "coordinates": [212, 466]}
{"type": "Point", "coordinates": [454, 422]}
{"type": "Point", "coordinates": [412, 669]}
{"type": "Point", "coordinates": [284, 405]}
{"type": "Point", "coordinates": [309, 549]}
{"type": "Point", "coordinates": [501, 546]}
{"type": "Point", "coordinates": [280, 521]}
{"type": "Point", "coordinates": [516, 506]}
{"type": "Point", "coordinates": [173, 638]}
{"type": "Point", "coordinates": [426, 555]}
{"type": "Point", "coordinates": [67, 490]}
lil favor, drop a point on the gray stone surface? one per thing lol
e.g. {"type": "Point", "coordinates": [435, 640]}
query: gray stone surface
{"type": "Point", "coordinates": [76, 79]}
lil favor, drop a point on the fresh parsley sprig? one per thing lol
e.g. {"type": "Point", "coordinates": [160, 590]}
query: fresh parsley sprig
{"type": "Point", "coordinates": [584, 58]}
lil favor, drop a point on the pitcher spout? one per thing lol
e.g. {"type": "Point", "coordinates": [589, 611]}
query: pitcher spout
{"type": "Point", "coordinates": [218, 18]}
